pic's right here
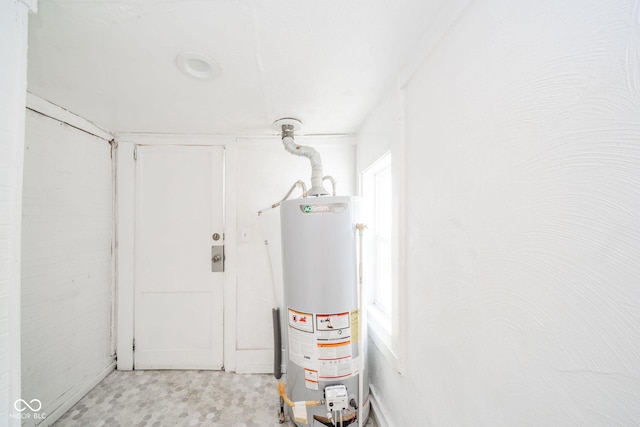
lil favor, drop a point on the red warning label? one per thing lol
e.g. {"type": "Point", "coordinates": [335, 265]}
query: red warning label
{"type": "Point", "coordinates": [332, 322]}
{"type": "Point", "coordinates": [301, 321]}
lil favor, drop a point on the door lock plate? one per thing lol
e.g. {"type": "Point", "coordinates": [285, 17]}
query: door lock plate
{"type": "Point", "coordinates": [217, 259]}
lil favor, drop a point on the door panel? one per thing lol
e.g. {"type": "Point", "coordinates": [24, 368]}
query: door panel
{"type": "Point", "coordinates": [178, 299]}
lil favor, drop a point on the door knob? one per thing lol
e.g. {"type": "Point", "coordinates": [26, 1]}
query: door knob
{"type": "Point", "coordinates": [217, 258]}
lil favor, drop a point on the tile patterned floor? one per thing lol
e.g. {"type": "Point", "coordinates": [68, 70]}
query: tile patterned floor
{"type": "Point", "coordinates": [179, 398]}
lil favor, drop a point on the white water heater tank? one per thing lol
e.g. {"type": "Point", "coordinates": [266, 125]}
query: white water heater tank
{"type": "Point", "coordinates": [321, 318]}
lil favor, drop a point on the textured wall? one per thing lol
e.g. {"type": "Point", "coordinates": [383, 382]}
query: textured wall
{"type": "Point", "coordinates": [66, 262]}
{"type": "Point", "coordinates": [13, 83]}
{"type": "Point", "coordinates": [523, 220]}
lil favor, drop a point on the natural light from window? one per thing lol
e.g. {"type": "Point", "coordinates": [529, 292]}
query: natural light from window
{"type": "Point", "coordinates": [382, 226]}
{"type": "Point", "coordinates": [377, 200]}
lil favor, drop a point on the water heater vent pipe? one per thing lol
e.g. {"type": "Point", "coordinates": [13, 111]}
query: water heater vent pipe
{"type": "Point", "coordinates": [288, 126]}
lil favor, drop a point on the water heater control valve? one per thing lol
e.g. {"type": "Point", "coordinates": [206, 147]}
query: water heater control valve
{"type": "Point", "coordinates": [336, 397]}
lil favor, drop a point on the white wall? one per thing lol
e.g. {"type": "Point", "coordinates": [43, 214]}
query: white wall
{"type": "Point", "coordinates": [13, 85]}
{"type": "Point", "coordinates": [258, 172]}
{"type": "Point", "coordinates": [66, 264]}
{"type": "Point", "coordinates": [522, 219]}
{"type": "Point", "coordinates": [265, 173]}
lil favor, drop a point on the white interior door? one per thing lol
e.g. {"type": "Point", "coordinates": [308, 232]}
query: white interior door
{"type": "Point", "coordinates": [178, 298]}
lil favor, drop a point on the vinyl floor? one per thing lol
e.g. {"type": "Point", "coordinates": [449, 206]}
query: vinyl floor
{"type": "Point", "coordinates": [179, 398]}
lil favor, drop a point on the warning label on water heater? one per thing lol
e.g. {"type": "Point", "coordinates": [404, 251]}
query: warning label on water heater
{"type": "Point", "coordinates": [301, 321]}
{"type": "Point", "coordinates": [322, 344]}
{"type": "Point", "coordinates": [333, 322]}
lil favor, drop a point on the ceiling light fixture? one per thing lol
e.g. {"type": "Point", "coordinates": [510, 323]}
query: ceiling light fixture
{"type": "Point", "coordinates": [197, 65]}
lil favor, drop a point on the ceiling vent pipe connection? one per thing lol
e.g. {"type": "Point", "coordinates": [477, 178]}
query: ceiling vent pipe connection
{"type": "Point", "coordinates": [288, 127]}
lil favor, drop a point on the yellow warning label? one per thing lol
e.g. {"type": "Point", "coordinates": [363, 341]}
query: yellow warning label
{"type": "Point", "coordinates": [355, 322]}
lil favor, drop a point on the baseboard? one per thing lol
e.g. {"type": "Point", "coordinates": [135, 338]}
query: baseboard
{"type": "Point", "coordinates": [75, 398]}
{"type": "Point", "coordinates": [255, 361]}
{"type": "Point", "coordinates": [380, 411]}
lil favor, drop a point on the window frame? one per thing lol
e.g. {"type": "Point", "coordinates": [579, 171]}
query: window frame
{"type": "Point", "coordinates": [384, 323]}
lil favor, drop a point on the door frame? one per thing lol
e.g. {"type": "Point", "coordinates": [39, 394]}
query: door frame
{"type": "Point", "coordinates": [125, 238]}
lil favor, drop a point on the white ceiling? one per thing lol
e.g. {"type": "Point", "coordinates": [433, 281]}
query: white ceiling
{"type": "Point", "coordinates": [324, 61]}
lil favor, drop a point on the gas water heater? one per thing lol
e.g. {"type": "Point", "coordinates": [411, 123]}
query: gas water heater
{"type": "Point", "coordinates": [326, 383]}
{"type": "Point", "coordinates": [321, 313]}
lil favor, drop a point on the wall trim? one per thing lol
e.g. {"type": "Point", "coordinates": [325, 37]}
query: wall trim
{"type": "Point", "coordinates": [114, 245]}
{"type": "Point", "coordinates": [174, 139]}
{"type": "Point", "coordinates": [49, 109]}
{"type": "Point", "coordinates": [222, 139]}
{"type": "Point", "coordinates": [256, 361]}
{"type": "Point", "coordinates": [380, 411]}
{"type": "Point", "coordinates": [313, 140]}
{"type": "Point", "coordinates": [75, 397]}
{"type": "Point", "coordinates": [231, 262]}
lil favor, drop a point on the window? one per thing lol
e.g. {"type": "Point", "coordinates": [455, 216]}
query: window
{"type": "Point", "coordinates": [381, 258]}
{"type": "Point", "coordinates": [377, 198]}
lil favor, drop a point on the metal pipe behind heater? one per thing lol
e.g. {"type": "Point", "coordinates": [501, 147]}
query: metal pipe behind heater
{"type": "Point", "coordinates": [277, 344]}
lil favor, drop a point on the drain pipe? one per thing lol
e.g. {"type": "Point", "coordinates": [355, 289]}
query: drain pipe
{"type": "Point", "coordinates": [288, 126]}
